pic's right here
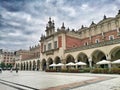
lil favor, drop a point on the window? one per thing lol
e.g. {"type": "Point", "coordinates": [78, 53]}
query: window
{"type": "Point", "coordinates": [111, 37]}
{"type": "Point", "coordinates": [49, 46]}
{"type": "Point", "coordinates": [44, 47]}
{"type": "Point", "coordinates": [55, 44]}
{"type": "Point", "coordinates": [97, 41]}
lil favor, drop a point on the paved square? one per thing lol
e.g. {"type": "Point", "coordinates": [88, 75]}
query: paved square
{"type": "Point", "coordinates": [36, 80]}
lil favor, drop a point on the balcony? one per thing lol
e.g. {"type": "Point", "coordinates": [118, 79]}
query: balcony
{"type": "Point", "coordinates": [101, 44]}
{"type": "Point", "coordinates": [50, 52]}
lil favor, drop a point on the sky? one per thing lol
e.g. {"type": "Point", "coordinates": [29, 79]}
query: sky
{"type": "Point", "coordinates": [23, 21]}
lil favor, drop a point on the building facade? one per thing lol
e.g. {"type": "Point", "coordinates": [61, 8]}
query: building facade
{"type": "Point", "coordinates": [28, 59]}
{"type": "Point", "coordinates": [90, 44]}
{"type": "Point", "coordinates": [7, 57]}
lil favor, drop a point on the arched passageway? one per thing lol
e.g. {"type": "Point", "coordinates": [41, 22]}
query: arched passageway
{"type": "Point", "coordinates": [70, 58]}
{"type": "Point", "coordinates": [49, 61]}
{"type": "Point", "coordinates": [34, 65]}
{"type": "Point", "coordinates": [57, 60]}
{"type": "Point", "coordinates": [18, 66]}
{"type": "Point", "coordinates": [83, 58]}
{"type": "Point", "coordinates": [30, 65]}
{"type": "Point", "coordinates": [97, 56]}
{"type": "Point", "coordinates": [26, 65]}
{"type": "Point", "coordinates": [21, 66]}
{"type": "Point", "coordinates": [38, 65]}
{"type": "Point", "coordinates": [115, 53]}
{"type": "Point", "coordinates": [44, 65]}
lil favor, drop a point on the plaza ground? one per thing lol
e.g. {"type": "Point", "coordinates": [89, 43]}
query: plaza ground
{"type": "Point", "coordinates": [37, 80]}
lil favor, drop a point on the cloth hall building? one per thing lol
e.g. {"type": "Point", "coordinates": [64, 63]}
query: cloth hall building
{"type": "Point", "coordinates": [99, 41]}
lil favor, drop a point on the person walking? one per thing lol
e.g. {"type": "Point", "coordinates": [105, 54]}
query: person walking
{"type": "Point", "coordinates": [0, 70]}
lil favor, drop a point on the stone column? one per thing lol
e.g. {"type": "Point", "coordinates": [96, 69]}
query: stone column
{"type": "Point", "coordinates": [47, 65]}
{"type": "Point", "coordinates": [64, 62]}
{"type": "Point", "coordinates": [108, 57]}
{"type": "Point", "coordinates": [40, 66]}
{"type": "Point", "coordinates": [90, 62]}
{"type": "Point", "coordinates": [76, 62]}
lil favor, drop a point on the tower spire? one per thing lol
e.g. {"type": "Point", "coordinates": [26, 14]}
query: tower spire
{"type": "Point", "coordinates": [104, 17]}
{"type": "Point", "coordinates": [50, 28]}
{"type": "Point", "coordinates": [63, 27]}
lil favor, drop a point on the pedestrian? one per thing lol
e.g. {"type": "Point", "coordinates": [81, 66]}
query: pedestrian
{"type": "Point", "coordinates": [0, 70]}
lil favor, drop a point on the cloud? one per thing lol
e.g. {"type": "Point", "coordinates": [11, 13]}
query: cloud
{"type": "Point", "coordinates": [23, 21]}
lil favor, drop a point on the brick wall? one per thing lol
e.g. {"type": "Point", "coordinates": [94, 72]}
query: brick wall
{"type": "Point", "coordinates": [59, 41]}
{"type": "Point", "coordinates": [85, 40]}
{"type": "Point", "coordinates": [113, 32]}
{"type": "Point", "coordinates": [99, 37]}
{"type": "Point", "coordinates": [27, 56]}
{"type": "Point", "coordinates": [72, 42]}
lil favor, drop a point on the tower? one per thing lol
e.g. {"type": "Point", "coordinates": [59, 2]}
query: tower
{"type": "Point", "coordinates": [50, 28]}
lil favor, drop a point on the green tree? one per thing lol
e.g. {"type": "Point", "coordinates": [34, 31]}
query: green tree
{"type": "Point", "coordinates": [2, 65]}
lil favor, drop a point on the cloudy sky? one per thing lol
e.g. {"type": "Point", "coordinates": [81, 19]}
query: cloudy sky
{"type": "Point", "coordinates": [23, 21]}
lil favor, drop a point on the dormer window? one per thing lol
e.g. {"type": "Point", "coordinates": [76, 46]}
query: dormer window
{"type": "Point", "coordinates": [97, 41]}
{"type": "Point", "coordinates": [111, 37]}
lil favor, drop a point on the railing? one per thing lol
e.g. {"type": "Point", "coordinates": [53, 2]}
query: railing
{"type": "Point", "coordinates": [50, 52]}
{"type": "Point", "coordinates": [101, 44]}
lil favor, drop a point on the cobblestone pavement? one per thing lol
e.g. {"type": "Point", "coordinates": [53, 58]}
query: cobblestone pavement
{"type": "Point", "coordinates": [36, 80]}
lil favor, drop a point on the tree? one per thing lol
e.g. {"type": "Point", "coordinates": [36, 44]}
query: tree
{"type": "Point", "coordinates": [2, 65]}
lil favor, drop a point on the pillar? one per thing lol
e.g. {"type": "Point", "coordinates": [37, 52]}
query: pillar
{"type": "Point", "coordinates": [90, 62]}
{"type": "Point", "coordinates": [108, 57]}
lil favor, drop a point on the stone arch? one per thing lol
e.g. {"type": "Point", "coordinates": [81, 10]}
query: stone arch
{"type": "Point", "coordinates": [57, 60]}
{"type": "Point", "coordinates": [115, 53]}
{"type": "Point", "coordinates": [97, 56]}
{"type": "Point", "coordinates": [83, 58]}
{"type": "Point", "coordinates": [34, 65]}
{"type": "Point", "coordinates": [44, 65]}
{"type": "Point", "coordinates": [18, 65]}
{"type": "Point", "coordinates": [69, 58]}
{"type": "Point", "coordinates": [30, 65]}
{"type": "Point", "coordinates": [38, 65]}
{"type": "Point", "coordinates": [26, 65]}
{"type": "Point", "coordinates": [22, 66]}
{"type": "Point", "coordinates": [50, 61]}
